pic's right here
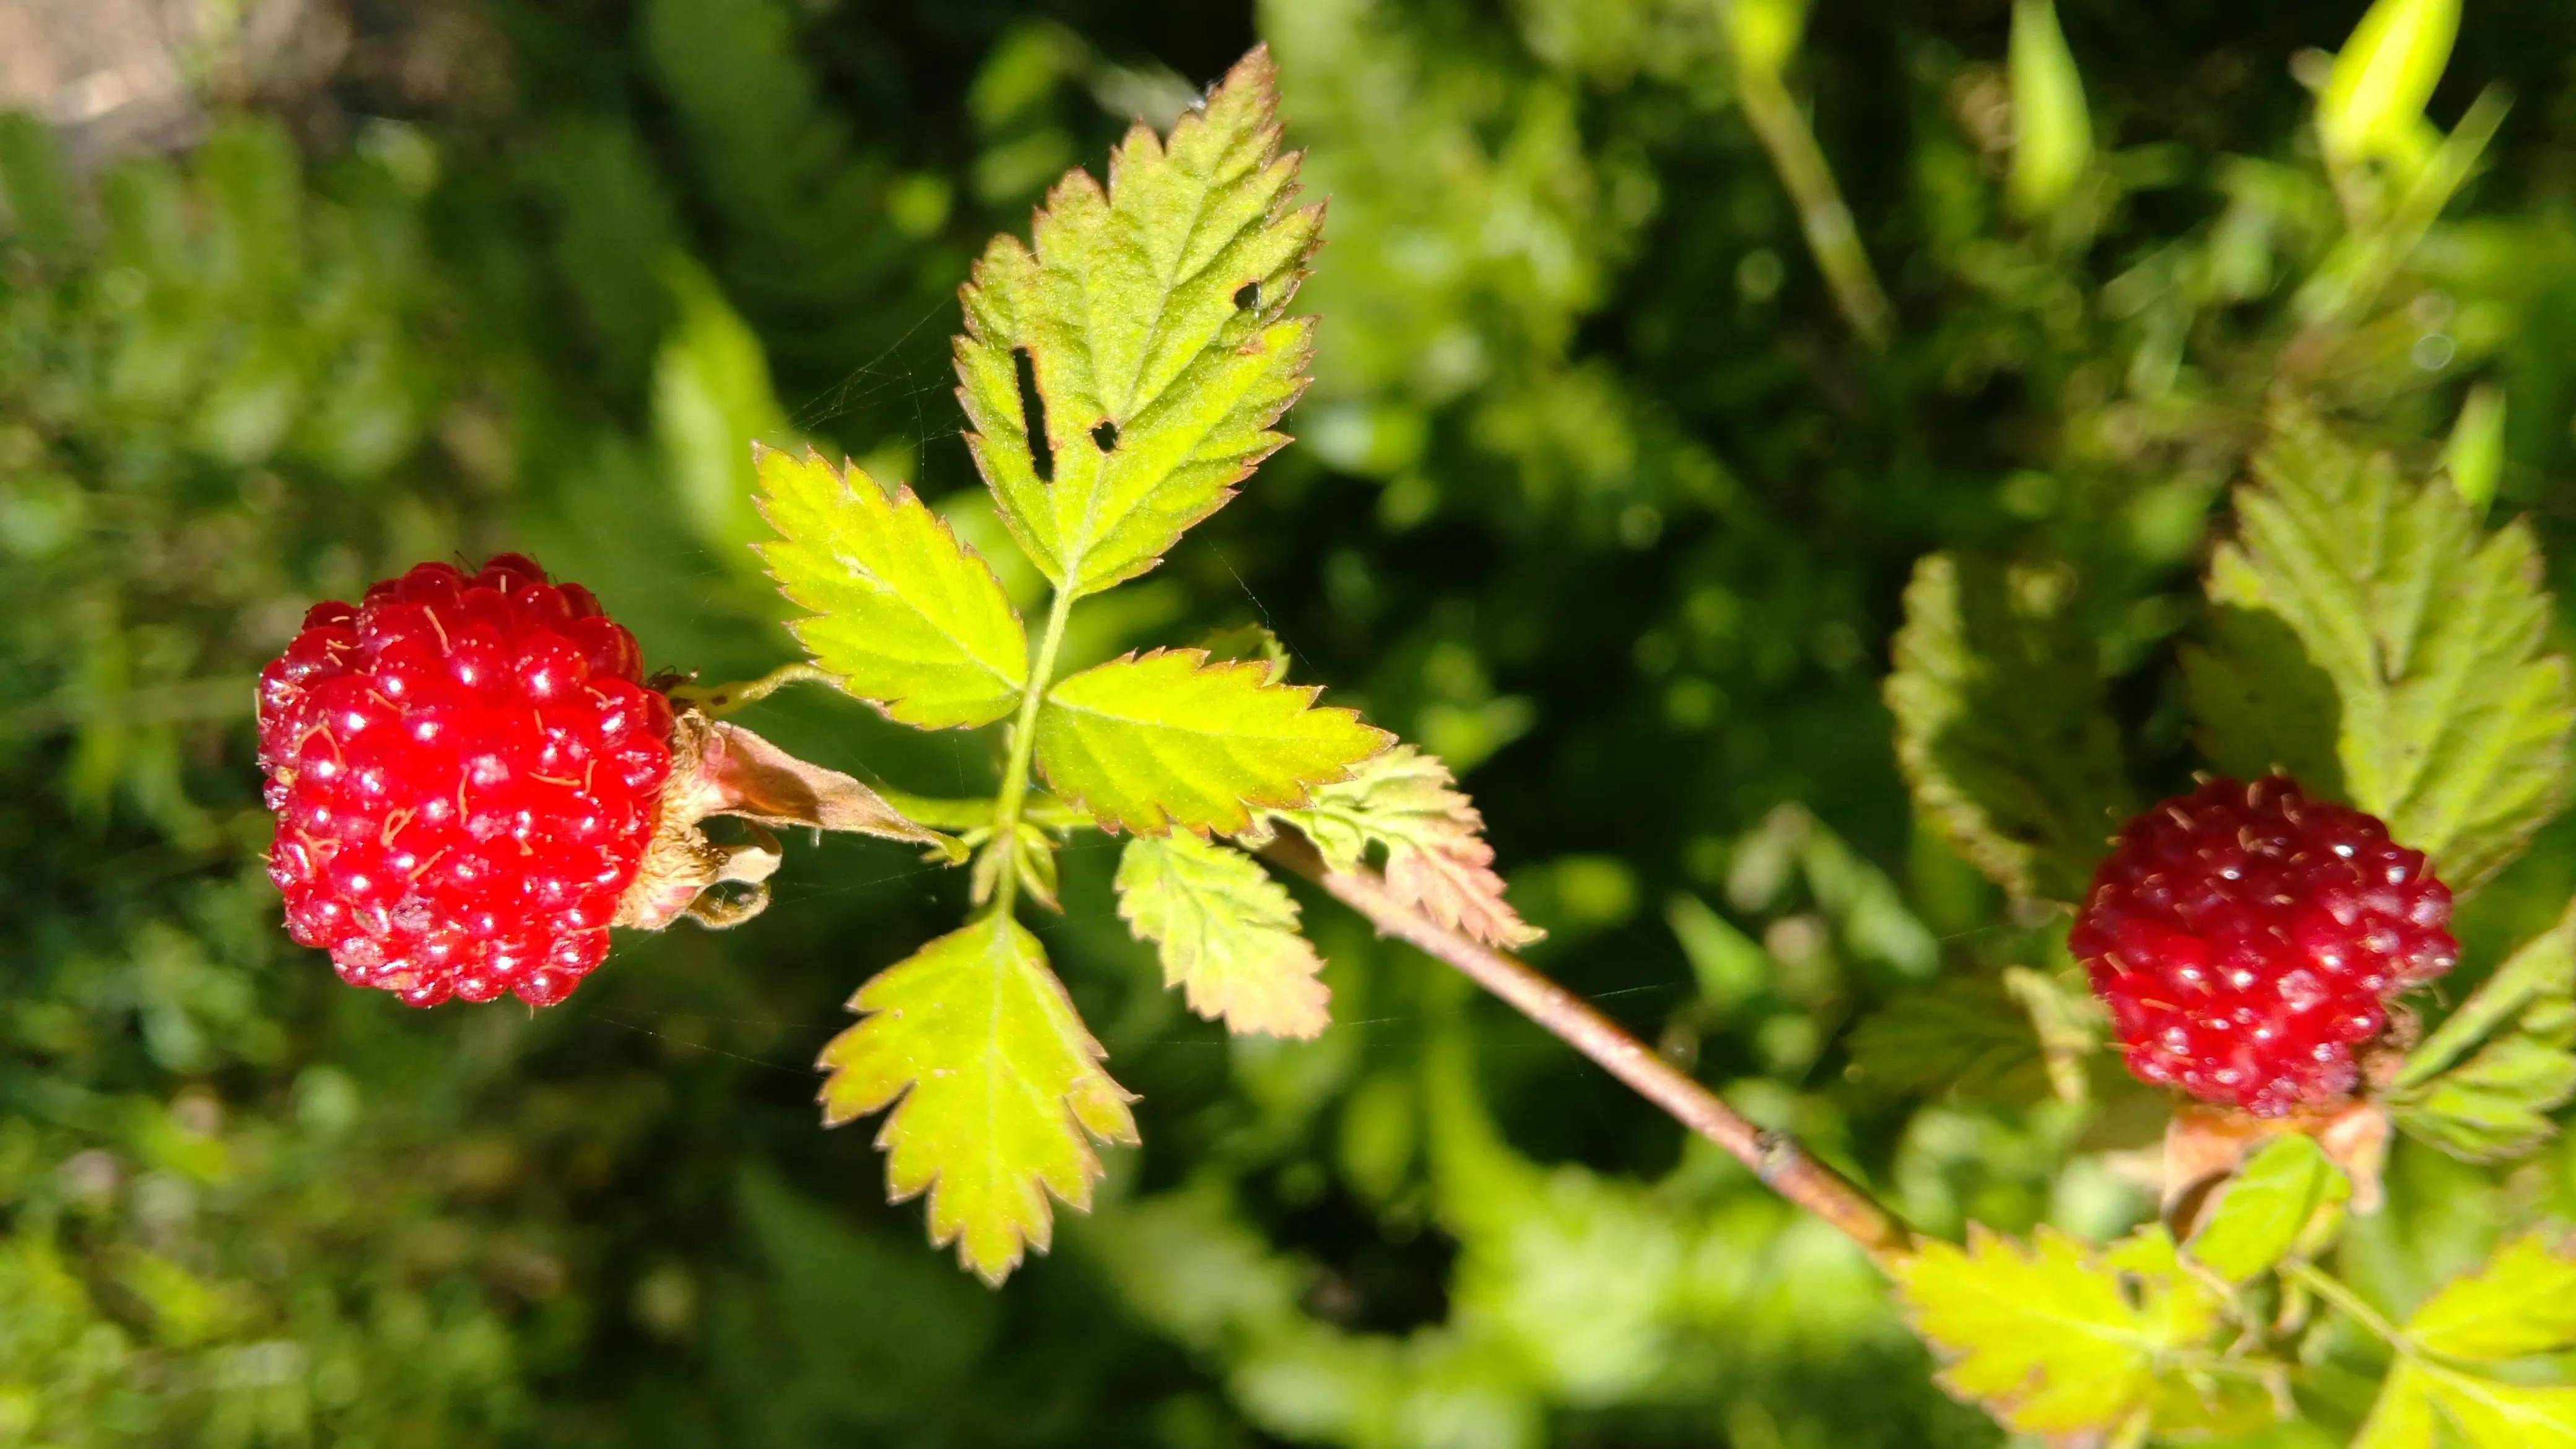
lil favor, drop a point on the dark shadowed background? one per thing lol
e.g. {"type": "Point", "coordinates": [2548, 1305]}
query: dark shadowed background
{"type": "Point", "coordinates": [1600, 494]}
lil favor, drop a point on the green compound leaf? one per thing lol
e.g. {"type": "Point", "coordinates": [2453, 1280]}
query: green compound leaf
{"type": "Point", "coordinates": [1172, 740]}
{"type": "Point", "coordinates": [2046, 1335]}
{"type": "Point", "coordinates": [2268, 1207]}
{"type": "Point", "coordinates": [2481, 1087]}
{"type": "Point", "coordinates": [2000, 724]}
{"type": "Point", "coordinates": [1150, 318]}
{"type": "Point", "coordinates": [1406, 803]}
{"type": "Point", "coordinates": [2522, 1302]}
{"type": "Point", "coordinates": [994, 1082]}
{"type": "Point", "coordinates": [910, 618]}
{"type": "Point", "coordinates": [1227, 933]}
{"type": "Point", "coordinates": [2373, 639]}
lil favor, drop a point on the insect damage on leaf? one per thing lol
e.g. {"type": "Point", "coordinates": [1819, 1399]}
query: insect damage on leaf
{"type": "Point", "coordinates": [994, 1082]}
{"type": "Point", "coordinates": [1406, 803]}
{"type": "Point", "coordinates": [1227, 934]}
{"type": "Point", "coordinates": [909, 618]}
{"type": "Point", "coordinates": [1118, 381]}
{"type": "Point", "coordinates": [1173, 740]}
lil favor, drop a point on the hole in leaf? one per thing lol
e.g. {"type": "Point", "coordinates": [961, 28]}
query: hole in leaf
{"type": "Point", "coordinates": [1033, 415]}
{"type": "Point", "coordinates": [1247, 296]}
{"type": "Point", "coordinates": [1105, 437]}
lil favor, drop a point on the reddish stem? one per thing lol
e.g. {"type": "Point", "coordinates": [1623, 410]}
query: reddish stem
{"type": "Point", "coordinates": [1775, 1157]}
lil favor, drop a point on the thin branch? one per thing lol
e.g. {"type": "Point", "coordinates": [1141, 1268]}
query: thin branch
{"type": "Point", "coordinates": [1822, 213]}
{"type": "Point", "coordinates": [1774, 1157]}
{"type": "Point", "coordinates": [2331, 1289]}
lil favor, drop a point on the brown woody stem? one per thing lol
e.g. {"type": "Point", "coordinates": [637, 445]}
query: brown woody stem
{"type": "Point", "coordinates": [1774, 1157]}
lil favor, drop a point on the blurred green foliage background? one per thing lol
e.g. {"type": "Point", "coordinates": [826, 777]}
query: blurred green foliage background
{"type": "Point", "coordinates": [1601, 494]}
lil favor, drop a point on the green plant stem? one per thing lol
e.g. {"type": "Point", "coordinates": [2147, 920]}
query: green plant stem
{"type": "Point", "coordinates": [1775, 1157]}
{"type": "Point", "coordinates": [2332, 1290]}
{"type": "Point", "coordinates": [1822, 214]}
{"type": "Point", "coordinates": [1014, 795]}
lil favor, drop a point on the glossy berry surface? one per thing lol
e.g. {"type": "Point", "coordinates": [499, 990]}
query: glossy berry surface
{"type": "Point", "coordinates": [465, 771]}
{"type": "Point", "coordinates": [2247, 939]}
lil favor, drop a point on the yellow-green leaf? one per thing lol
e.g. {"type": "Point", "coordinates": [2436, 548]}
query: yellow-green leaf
{"type": "Point", "coordinates": [2522, 1302]}
{"type": "Point", "coordinates": [2052, 133]}
{"type": "Point", "coordinates": [2044, 1334]}
{"type": "Point", "coordinates": [2372, 638]}
{"type": "Point", "coordinates": [994, 1083]}
{"type": "Point", "coordinates": [2000, 724]}
{"type": "Point", "coordinates": [2403, 1416]}
{"type": "Point", "coordinates": [1150, 320]}
{"type": "Point", "coordinates": [1171, 740]}
{"type": "Point", "coordinates": [1227, 933]}
{"type": "Point", "coordinates": [2373, 104]}
{"type": "Point", "coordinates": [2474, 456]}
{"type": "Point", "coordinates": [1406, 803]}
{"type": "Point", "coordinates": [2268, 1205]}
{"type": "Point", "coordinates": [909, 618]}
{"type": "Point", "coordinates": [2492, 1414]}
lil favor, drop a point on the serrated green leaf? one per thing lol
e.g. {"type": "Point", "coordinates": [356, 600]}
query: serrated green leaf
{"type": "Point", "coordinates": [2492, 1414]}
{"type": "Point", "coordinates": [2495, 1106]}
{"type": "Point", "coordinates": [909, 618]}
{"type": "Point", "coordinates": [2372, 639]}
{"type": "Point", "coordinates": [1963, 1035]}
{"type": "Point", "coordinates": [2052, 132]}
{"type": "Point", "coordinates": [2043, 1335]}
{"type": "Point", "coordinates": [994, 1082]}
{"type": "Point", "coordinates": [2522, 1301]}
{"type": "Point", "coordinates": [1172, 740]}
{"type": "Point", "coordinates": [1227, 933]}
{"type": "Point", "coordinates": [2373, 104]}
{"type": "Point", "coordinates": [2000, 723]}
{"type": "Point", "coordinates": [2482, 1085]}
{"type": "Point", "coordinates": [1406, 803]}
{"type": "Point", "coordinates": [2268, 1206]}
{"type": "Point", "coordinates": [1152, 318]}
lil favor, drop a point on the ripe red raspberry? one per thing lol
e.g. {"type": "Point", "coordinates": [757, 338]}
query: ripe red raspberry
{"type": "Point", "coordinates": [2248, 938]}
{"type": "Point", "coordinates": [465, 773]}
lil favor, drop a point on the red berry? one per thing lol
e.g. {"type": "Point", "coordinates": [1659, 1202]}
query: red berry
{"type": "Point", "coordinates": [2248, 938]}
{"type": "Point", "coordinates": [465, 773]}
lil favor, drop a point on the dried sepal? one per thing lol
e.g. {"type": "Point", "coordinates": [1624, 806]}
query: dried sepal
{"type": "Point", "coordinates": [721, 769]}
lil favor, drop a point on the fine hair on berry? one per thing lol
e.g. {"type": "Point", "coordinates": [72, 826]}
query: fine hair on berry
{"type": "Point", "coordinates": [2249, 940]}
{"type": "Point", "coordinates": [465, 770]}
